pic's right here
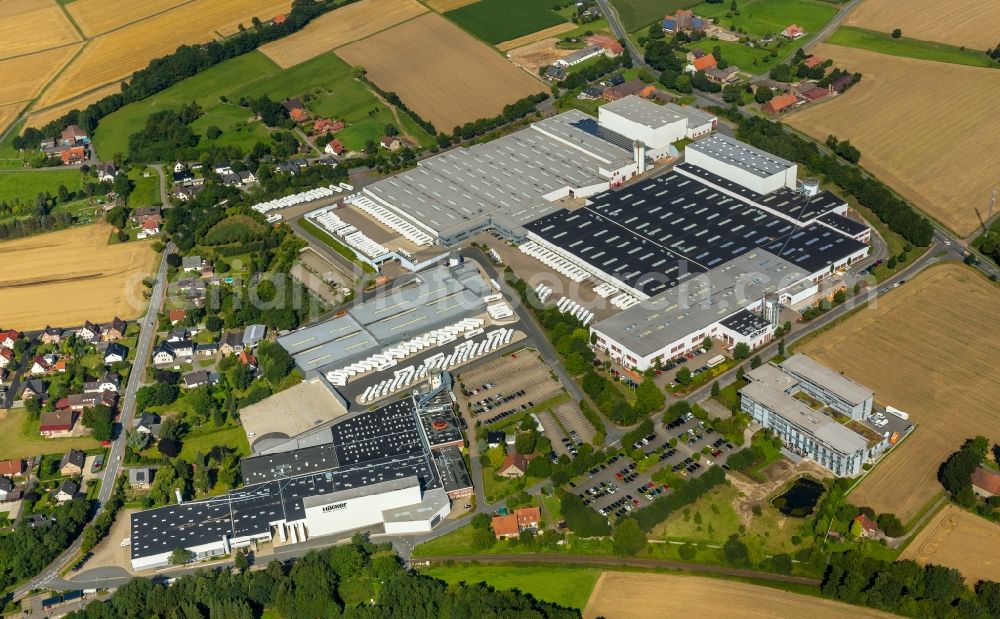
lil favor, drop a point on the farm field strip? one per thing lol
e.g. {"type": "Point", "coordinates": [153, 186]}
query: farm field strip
{"type": "Point", "coordinates": [8, 113]}
{"type": "Point", "coordinates": [41, 117]}
{"type": "Point", "coordinates": [24, 76]}
{"type": "Point", "coordinates": [883, 43]}
{"type": "Point", "coordinates": [640, 595]}
{"type": "Point", "coordinates": [33, 25]}
{"type": "Point", "coordinates": [75, 275]}
{"type": "Point", "coordinates": [558, 29]}
{"type": "Point", "coordinates": [442, 6]}
{"type": "Point", "coordinates": [118, 54]}
{"type": "Point", "coordinates": [964, 22]}
{"type": "Point", "coordinates": [340, 27]}
{"type": "Point", "coordinates": [941, 374]}
{"type": "Point", "coordinates": [98, 16]}
{"type": "Point", "coordinates": [959, 539]}
{"type": "Point", "coordinates": [471, 80]}
{"type": "Point", "coordinates": [496, 21]}
{"type": "Point", "coordinates": [929, 166]}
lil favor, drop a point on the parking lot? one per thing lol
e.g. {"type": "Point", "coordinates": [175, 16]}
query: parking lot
{"type": "Point", "coordinates": [617, 487]}
{"type": "Point", "coordinates": [502, 388]}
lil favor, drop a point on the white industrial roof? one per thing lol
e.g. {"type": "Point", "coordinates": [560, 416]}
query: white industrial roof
{"type": "Point", "coordinates": [732, 151]}
{"type": "Point", "coordinates": [644, 112]}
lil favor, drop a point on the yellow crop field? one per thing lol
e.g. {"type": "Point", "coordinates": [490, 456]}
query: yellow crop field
{"type": "Point", "coordinates": [928, 348]}
{"type": "Point", "coordinates": [443, 6]}
{"type": "Point", "coordinates": [637, 595]}
{"type": "Point", "coordinates": [972, 23]}
{"type": "Point", "coordinates": [535, 36]}
{"type": "Point", "coordinates": [98, 16]}
{"type": "Point", "coordinates": [116, 55]}
{"type": "Point", "coordinates": [67, 277]}
{"type": "Point", "coordinates": [920, 143]}
{"type": "Point", "coordinates": [24, 76]}
{"type": "Point", "coordinates": [350, 23]}
{"type": "Point", "coordinates": [8, 113]}
{"type": "Point", "coordinates": [31, 25]}
{"type": "Point", "coordinates": [959, 539]}
{"type": "Point", "coordinates": [440, 71]}
{"type": "Point", "coordinates": [39, 118]}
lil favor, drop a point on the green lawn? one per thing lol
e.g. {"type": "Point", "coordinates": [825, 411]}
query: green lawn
{"type": "Point", "coordinates": [145, 190]}
{"type": "Point", "coordinates": [883, 43]}
{"type": "Point", "coordinates": [769, 17]}
{"type": "Point", "coordinates": [639, 14]}
{"type": "Point", "coordinates": [25, 185]}
{"type": "Point", "coordinates": [738, 54]}
{"type": "Point", "coordinates": [233, 436]}
{"type": "Point", "coordinates": [567, 586]}
{"type": "Point", "coordinates": [495, 21]}
{"type": "Point", "coordinates": [22, 440]}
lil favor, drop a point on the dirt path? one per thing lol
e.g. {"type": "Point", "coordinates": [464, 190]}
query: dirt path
{"type": "Point", "coordinates": [395, 113]}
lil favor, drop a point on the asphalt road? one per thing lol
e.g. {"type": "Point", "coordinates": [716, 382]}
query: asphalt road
{"type": "Point", "coordinates": [114, 460]}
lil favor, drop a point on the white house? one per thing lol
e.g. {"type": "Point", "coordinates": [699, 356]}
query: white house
{"type": "Point", "coordinates": [67, 490]}
{"type": "Point", "coordinates": [6, 356]}
{"type": "Point", "coordinates": [178, 167]}
{"type": "Point", "coordinates": [115, 353]}
{"type": "Point", "coordinates": [107, 172]}
{"type": "Point", "coordinates": [88, 332]}
{"type": "Point", "coordinates": [108, 382]}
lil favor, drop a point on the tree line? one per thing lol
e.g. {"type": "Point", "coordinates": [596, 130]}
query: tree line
{"type": "Point", "coordinates": [187, 60]}
{"type": "Point", "coordinates": [26, 551]}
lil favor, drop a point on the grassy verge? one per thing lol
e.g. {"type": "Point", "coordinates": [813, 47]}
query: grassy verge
{"type": "Point", "coordinates": [568, 586]}
{"type": "Point", "coordinates": [336, 246]}
{"type": "Point", "coordinates": [883, 43]}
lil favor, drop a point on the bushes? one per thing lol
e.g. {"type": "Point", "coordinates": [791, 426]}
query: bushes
{"type": "Point", "coordinates": [658, 510]}
{"type": "Point", "coordinates": [581, 519]}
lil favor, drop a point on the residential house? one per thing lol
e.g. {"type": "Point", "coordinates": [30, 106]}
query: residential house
{"type": "Point", "coordinates": [246, 177]}
{"type": "Point", "coordinates": [683, 20]}
{"type": "Point", "coordinates": [6, 488]}
{"type": "Point", "coordinates": [223, 168]}
{"type": "Point", "coordinates": [106, 172]}
{"type": "Point", "coordinates": [148, 228]}
{"type": "Point", "coordinates": [866, 526]}
{"type": "Point", "coordinates": [625, 89]}
{"type": "Point", "coordinates": [169, 352]}
{"type": "Point", "coordinates": [199, 378]}
{"type": "Point", "coordinates": [254, 335]}
{"type": "Point", "coordinates": [183, 178]}
{"type": "Point", "coordinates": [296, 111]}
{"type": "Point", "coordinates": [73, 155]}
{"type": "Point", "coordinates": [325, 125]}
{"type": "Point", "coordinates": [6, 356]}
{"type": "Point", "coordinates": [148, 423]}
{"type": "Point", "coordinates": [192, 263]}
{"type": "Point", "coordinates": [581, 55]}
{"type": "Point", "coordinates": [109, 382]}
{"type": "Point", "coordinates": [58, 367]}
{"type": "Point", "coordinates": [615, 80]}
{"type": "Point", "coordinates": [528, 517]}
{"type": "Point", "coordinates": [208, 349]}
{"type": "Point", "coordinates": [793, 32]}
{"type": "Point", "coordinates": [72, 463]}
{"type": "Point", "coordinates": [723, 76]}
{"type": "Point", "coordinates": [985, 483]}
{"type": "Point", "coordinates": [39, 366]}
{"type": "Point", "coordinates": [56, 423]}
{"type": "Point", "coordinates": [176, 315]}
{"type": "Point", "coordinates": [13, 468]}
{"type": "Point", "coordinates": [185, 193]}
{"type": "Point", "coordinates": [67, 490]}
{"type": "Point", "coordinates": [701, 64]}
{"type": "Point", "coordinates": [779, 103]}
{"type": "Point", "coordinates": [811, 61]}
{"type": "Point", "coordinates": [842, 83]}
{"type": "Point", "coordinates": [611, 47]}
{"type": "Point", "coordinates": [51, 335]}
{"type": "Point", "coordinates": [231, 342]}
{"type": "Point", "coordinates": [390, 142]}
{"type": "Point", "coordinates": [89, 332]}
{"type": "Point", "coordinates": [148, 213]}
{"type": "Point", "coordinates": [77, 402]}
{"type": "Point", "coordinates": [231, 179]}
{"type": "Point", "coordinates": [247, 358]}
{"type": "Point", "coordinates": [180, 334]}
{"type": "Point", "coordinates": [38, 521]}
{"type": "Point", "coordinates": [278, 19]}
{"type": "Point", "coordinates": [555, 73]}
{"type": "Point", "coordinates": [73, 135]}
{"type": "Point", "coordinates": [115, 353]}
{"type": "Point", "coordinates": [334, 147]}
{"type": "Point", "coordinates": [115, 330]}
{"type": "Point", "coordinates": [505, 527]}
{"type": "Point", "coordinates": [514, 465]}
{"type": "Point", "coordinates": [591, 92]}
{"type": "Point", "coordinates": [8, 338]}
{"type": "Point", "coordinates": [179, 167]}
{"type": "Point", "coordinates": [140, 479]}
{"type": "Point", "coordinates": [33, 388]}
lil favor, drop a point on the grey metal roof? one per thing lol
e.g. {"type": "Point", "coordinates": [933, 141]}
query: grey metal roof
{"type": "Point", "coordinates": [695, 116]}
{"type": "Point", "coordinates": [826, 378]}
{"type": "Point", "coordinates": [644, 112]}
{"type": "Point", "coordinates": [730, 150]}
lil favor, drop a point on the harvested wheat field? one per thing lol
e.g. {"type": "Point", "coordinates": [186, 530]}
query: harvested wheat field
{"type": "Point", "coordinates": [912, 138]}
{"type": "Point", "coordinates": [98, 16]}
{"type": "Point", "coordinates": [536, 55]}
{"type": "Point", "coordinates": [443, 6]}
{"type": "Point", "coordinates": [32, 25]}
{"type": "Point", "coordinates": [928, 348]}
{"type": "Point", "coordinates": [8, 113]}
{"type": "Point", "coordinates": [116, 55]}
{"type": "Point", "coordinates": [24, 76]}
{"type": "Point", "coordinates": [440, 71]}
{"type": "Point", "coordinates": [67, 277]}
{"type": "Point", "coordinates": [972, 23]}
{"type": "Point", "coordinates": [959, 539]}
{"type": "Point", "coordinates": [350, 23]}
{"type": "Point", "coordinates": [635, 595]}
{"type": "Point", "coordinates": [41, 117]}
{"type": "Point", "coordinates": [558, 29]}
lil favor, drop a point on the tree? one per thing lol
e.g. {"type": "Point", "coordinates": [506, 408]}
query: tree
{"type": "Point", "coordinates": [117, 217]}
{"type": "Point", "coordinates": [763, 94]}
{"type": "Point", "coordinates": [707, 343]}
{"type": "Point", "coordinates": [715, 388]}
{"type": "Point", "coordinates": [736, 551]}
{"type": "Point", "coordinates": [755, 362]}
{"type": "Point", "coordinates": [100, 420]}
{"type": "Point", "coordinates": [741, 351]}
{"type": "Point", "coordinates": [648, 398]}
{"type": "Point", "coordinates": [483, 539]}
{"type": "Point", "coordinates": [481, 521]}
{"type": "Point", "coordinates": [891, 525]}
{"type": "Point", "coordinates": [896, 33]}
{"type": "Point", "coordinates": [137, 441]}
{"type": "Point", "coordinates": [688, 551]}
{"type": "Point", "coordinates": [781, 563]}
{"type": "Point", "coordinates": [683, 376]}
{"type": "Point", "coordinates": [781, 347]}
{"type": "Point", "coordinates": [628, 538]}
{"type": "Point", "coordinates": [524, 442]}
{"type": "Point", "coordinates": [169, 447]}
{"type": "Point", "coordinates": [180, 556]}
{"type": "Point", "coordinates": [173, 260]}
{"type": "Point", "coordinates": [214, 323]}
{"type": "Point", "coordinates": [213, 132]}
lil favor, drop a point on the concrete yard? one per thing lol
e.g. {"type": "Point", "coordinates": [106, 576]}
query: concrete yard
{"type": "Point", "coordinates": [290, 412]}
{"type": "Point", "coordinates": [508, 375]}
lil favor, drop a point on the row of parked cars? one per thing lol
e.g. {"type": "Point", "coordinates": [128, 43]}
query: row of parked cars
{"type": "Point", "coordinates": [494, 401]}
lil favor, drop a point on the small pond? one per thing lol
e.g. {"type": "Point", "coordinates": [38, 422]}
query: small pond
{"type": "Point", "coordinates": [800, 499]}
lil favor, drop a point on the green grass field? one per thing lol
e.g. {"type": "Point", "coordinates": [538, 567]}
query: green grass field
{"type": "Point", "coordinates": [639, 14]}
{"type": "Point", "coordinates": [335, 245]}
{"type": "Point", "coordinates": [145, 189]}
{"type": "Point", "coordinates": [566, 586]}
{"type": "Point", "coordinates": [495, 21]}
{"type": "Point", "coordinates": [233, 437]}
{"type": "Point", "coordinates": [324, 84]}
{"type": "Point", "coordinates": [769, 17]}
{"type": "Point", "coordinates": [27, 184]}
{"type": "Point", "coordinates": [883, 43]}
{"type": "Point", "coordinates": [22, 440]}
